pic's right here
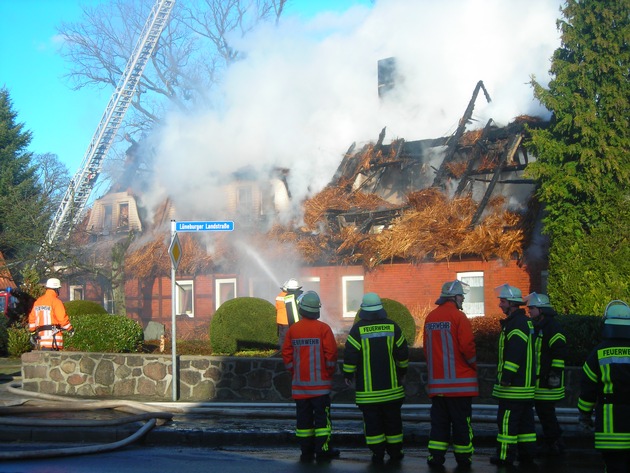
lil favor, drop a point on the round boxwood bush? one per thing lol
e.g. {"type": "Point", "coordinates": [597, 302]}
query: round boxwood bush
{"type": "Point", "coordinates": [104, 333]}
{"type": "Point", "coordinates": [401, 315]}
{"type": "Point", "coordinates": [244, 323]}
{"type": "Point", "coordinates": [83, 307]}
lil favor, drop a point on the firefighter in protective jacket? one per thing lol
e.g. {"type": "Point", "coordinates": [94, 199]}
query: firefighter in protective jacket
{"type": "Point", "coordinates": [451, 354]}
{"type": "Point", "coordinates": [550, 348]}
{"type": "Point", "coordinates": [48, 317]}
{"type": "Point", "coordinates": [516, 382]}
{"type": "Point", "coordinates": [377, 356]}
{"type": "Point", "coordinates": [310, 354]}
{"type": "Point", "coordinates": [605, 388]}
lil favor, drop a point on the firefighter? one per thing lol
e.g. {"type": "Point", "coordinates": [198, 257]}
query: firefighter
{"type": "Point", "coordinates": [376, 357]}
{"type": "Point", "coordinates": [550, 348]}
{"type": "Point", "coordinates": [451, 354]}
{"type": "Point", "coordinates": [281, 315]}
{"type": "Point", "coordinates": [309, 353]}
{"type": "Point", "coordinates": [605, 388]}
{"type": "Point", "coordinates": [286, 307]}
{"type": "Point", "coordinates": [515, 383]}
{"type": "Point", "coordinates": [48, 317]}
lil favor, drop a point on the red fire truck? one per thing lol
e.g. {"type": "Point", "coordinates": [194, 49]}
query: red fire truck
{"type": "Point", "coordinates": [8, 302]}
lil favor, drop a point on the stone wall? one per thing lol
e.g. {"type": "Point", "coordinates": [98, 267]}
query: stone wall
{"type": "Point", "coordinates": [205, 378]}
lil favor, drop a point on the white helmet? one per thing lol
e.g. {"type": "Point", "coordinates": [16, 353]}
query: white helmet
{"type": "Point", "coordinates": [292, 285]}
{"type": "Point", "coordinates": [53, 283]}
{"type": "Point", "coordinates": [454, 288]}
{"type": "Point", "coordinates": [510, 293]}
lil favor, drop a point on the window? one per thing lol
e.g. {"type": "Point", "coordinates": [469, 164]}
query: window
{"type": "Point", "coordinates": [184, 298]}
{"type": "Point", "coordinates": [225, 289]}
{"type": "Point", "coordinates": [474, 301]}
{"type": "Point", "coordinates": [352, 294]}
{"type": "Point", "coordinates": [123, 216]}
{"type": "Point", "coordinates": [76, 293]}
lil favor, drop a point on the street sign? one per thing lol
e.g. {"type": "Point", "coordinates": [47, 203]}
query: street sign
{"type": "Point", "coordinates": [175, 251]}
{"type": "Point", "coordinates": [204, 226]}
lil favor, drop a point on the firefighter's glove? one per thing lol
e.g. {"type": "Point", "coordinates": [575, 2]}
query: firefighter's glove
{"type": "Point", "coordinates": [71, 332]}
{"type": "Point", "coordinates": [33, 339]}
{"type": "Point", "coordinates": [553, 381]}
{"type": "Point", "coordinates": [585, 421]}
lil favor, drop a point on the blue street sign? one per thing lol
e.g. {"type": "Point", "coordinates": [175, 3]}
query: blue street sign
{"type": "Point", "coordinates": [204, 226]}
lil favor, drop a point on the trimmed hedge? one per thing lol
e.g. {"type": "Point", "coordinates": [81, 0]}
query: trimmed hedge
{"type": "Point", "coordinates": [244, 323]}
{"type": "Point", "coordinates": [83, 307]}
{"type": "Point", "coordinates": [401, 315]}
{"type": "Point", "coordinates": [104, 333]}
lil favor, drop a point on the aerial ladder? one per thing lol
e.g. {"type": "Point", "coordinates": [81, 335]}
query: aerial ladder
{"type": "Point", "coordinates": [78, 193]}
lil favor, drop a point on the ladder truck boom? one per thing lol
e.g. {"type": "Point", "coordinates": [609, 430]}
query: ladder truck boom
{"type": "Point", "coordinates": [76, 197]}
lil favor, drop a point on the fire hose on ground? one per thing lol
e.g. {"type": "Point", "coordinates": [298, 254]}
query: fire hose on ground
{"type": "Point", "coordinates": [158, 413]}
{"type": "Point", "coordinates": [138, 412]}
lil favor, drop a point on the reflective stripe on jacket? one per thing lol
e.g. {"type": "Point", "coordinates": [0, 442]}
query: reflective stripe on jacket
{"type": "Point", "coordinates": [377, 354]}
{"type": "Point", "coordinates": [605, 387]}
{"type": "Point", "coordinates": [516, 370]}
{"type": "Point", "coordinates": [290, 303]}
{"type": "Point", "coordinates": [551, 347]}
{"type": "Point", "coordinates": [309, 353]}
{"type": "Point", "coordinates": [449, 348]}
{"type": "Point", "coordinates": [49, 310]}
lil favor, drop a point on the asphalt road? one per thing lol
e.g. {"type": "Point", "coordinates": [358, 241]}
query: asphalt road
{"type": "Point", "coordinates": [139, 459]}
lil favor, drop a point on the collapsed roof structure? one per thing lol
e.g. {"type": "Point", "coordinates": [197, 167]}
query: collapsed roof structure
{"type": "Point", "coordinates": [462, 195]}
{"type": "Point", "coordinates": [428, 200]}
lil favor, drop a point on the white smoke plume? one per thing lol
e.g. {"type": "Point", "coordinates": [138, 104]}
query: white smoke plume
{"type": "Point", "coordinates": [308, 89]}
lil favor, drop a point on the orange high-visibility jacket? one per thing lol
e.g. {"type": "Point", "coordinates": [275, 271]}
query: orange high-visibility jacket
{"type": "Point", "coordinates": [281, 309]}
{"type": "Point", "coordinates": [310, 354]}
{"type": "Point", "coordinates": [48, 310]}
{"type": "Point", "coordinates": [449, 347]}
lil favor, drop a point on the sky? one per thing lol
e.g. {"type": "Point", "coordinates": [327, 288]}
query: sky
{"type": "Point", "coordinates": [305, 92]}
{"type": "Point", "coordinates": [63, 120]}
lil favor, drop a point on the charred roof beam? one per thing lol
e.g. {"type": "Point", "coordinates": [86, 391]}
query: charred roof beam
{"type": "Point", "coordinates": [452, 147]}
{"type": "Point", "coordinates": [507, 156]}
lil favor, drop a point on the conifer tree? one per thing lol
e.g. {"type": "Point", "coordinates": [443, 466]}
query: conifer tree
{"type": "Point", "coordinates": [23, 221]}
{"type": "Point", "coordinates": [583, 165]}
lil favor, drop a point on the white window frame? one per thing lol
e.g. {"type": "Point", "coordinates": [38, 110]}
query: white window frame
{"type": "Point", "coordinates": [479, 310]}
{"type": "Point", "coordinates": [180, 286]}
{"type": "Point", "coordinates": [73, 289]}
{"type": "Point", "coordinates": [217, 290]}
{"type": "Point", "coordinates": [344, 284]}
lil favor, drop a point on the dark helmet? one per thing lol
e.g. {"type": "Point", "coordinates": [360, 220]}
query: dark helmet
{"type": "Point", "coordinates": [616, 320]}
{"type": "Point", "coordinates": [309, 305]}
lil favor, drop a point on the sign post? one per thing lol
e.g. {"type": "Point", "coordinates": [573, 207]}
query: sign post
{"type": "Point", "coordinates": [175, 252]}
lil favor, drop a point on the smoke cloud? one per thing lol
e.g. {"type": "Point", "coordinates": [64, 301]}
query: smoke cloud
{"type": "Point", "coordinates": [307, 90]}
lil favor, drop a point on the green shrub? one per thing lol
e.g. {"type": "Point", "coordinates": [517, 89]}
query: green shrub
{"type": "Point", "coordinates": [3, 334]}
{"type": "Point", "coordinates": [486, 331]}
{"type": "Point", "coordinates": [82, 307]}
{"type": "Point", "coordinates": [104, 333]}
{"type": "Point", "coordinates": [19, 341]}
{"type": "Point", "coordinates": [244, 323]}
{"type": "Point", "coordinates": [402, 316]}
{"type": "Point", "coordinates": [583, 332]}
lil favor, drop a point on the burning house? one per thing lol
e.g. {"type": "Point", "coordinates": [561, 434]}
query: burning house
{"type": "Point", "coordinates": [398, 219]}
